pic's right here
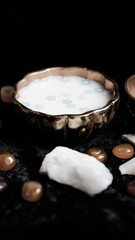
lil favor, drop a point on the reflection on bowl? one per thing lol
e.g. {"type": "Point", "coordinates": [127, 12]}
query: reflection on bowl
{"type": "Point", "coordinates": [72, 126]}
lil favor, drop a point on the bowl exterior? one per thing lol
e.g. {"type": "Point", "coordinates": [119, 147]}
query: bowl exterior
{"type": "Point", "coordinates": [130, 100]}
{"type": "Point", "coordinates": [70, 129]}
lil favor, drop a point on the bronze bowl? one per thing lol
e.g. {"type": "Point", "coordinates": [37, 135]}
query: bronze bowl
{"type": "Point", "coordinates": [130, 94]}
{"type": "Point", "coordinates": [69, 129]}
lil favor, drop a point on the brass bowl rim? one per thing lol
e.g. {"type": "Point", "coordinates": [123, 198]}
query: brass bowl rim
{"type": "Point", "coordinates": [126, 86]}
{"type": "Point", "coordinates": [114, 99]}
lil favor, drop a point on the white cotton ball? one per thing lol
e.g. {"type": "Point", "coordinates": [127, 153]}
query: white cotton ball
{"type": "Point", "coordinates": [76, 169]}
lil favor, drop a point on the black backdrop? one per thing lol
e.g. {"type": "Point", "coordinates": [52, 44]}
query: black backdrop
{"type": "Point", "coordinates": [57, 33]}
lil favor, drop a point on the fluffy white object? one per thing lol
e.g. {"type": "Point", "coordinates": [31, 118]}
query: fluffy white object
{"type": "Point", "coordinates": [128, 167]}
{"type": "Point", "coordinates": [76, 169]}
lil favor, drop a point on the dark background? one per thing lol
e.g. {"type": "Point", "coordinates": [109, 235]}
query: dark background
{"type": "Point", "coordinates": [95, 35]}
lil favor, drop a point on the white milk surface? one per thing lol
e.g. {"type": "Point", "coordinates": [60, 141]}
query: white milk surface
{"type": "Point", "coordinates": [58, 95]}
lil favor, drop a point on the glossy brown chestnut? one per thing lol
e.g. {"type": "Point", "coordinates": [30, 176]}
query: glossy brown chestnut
{"type": "Point", "coordinates": [123, 151]}
{"type": "Point", "coordinates": [32, 191]}
{"type": "Point", "coordinates": [98, 153]}
{"type": "Point", "coordinates": [7, 161]}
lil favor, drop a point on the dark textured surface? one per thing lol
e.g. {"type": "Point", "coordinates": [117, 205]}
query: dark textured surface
{"type": "Point", "coordinates": [63, 207]}
{"type": "Point", "coordinates": [62, 34]}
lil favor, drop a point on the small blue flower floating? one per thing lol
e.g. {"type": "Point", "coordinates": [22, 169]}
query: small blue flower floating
{"type": "Point", "coordinates": [27, 104]}
{"type": "Point", "coordinates": [82, 97]}
{"type": "Point", "coordinates": [64, 79]}
{"type": "Point", "coordinates": [87, 91]}
{"type": "Point", "coordinates": [67, 101]}
{"type": "Point", "coordinates": [71, 105]}
{"type": "Point", "coordinates": [51, 98]}
{"type": "Point", "coordinates": [99, 90]}
{"type": "Point", "coordinates": [86, 82]}
{"type": "Point", "coordinates": [84, 109]}
{"type": "Point", "coordinates": [106, 92]}
{"type": "Point", "coordinates": [38, 106]}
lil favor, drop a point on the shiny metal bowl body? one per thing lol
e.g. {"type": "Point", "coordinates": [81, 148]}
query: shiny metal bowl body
{"type": "Point", "coordinates": [75, 128]}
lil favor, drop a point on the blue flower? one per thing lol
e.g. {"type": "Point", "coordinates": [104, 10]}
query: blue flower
{"type": "Point", "coordinates": [38, 106]}
{"type": "Point", "coordinates": [67, 101]}
{"type": "Point", "coordinates": [82, 97]}
{"type": "Point", "coordinates": [106, 92]}
{"type": "Point", "coordinates": [88, 91]}
{"type": "Point", "coordinates": [86, 81]}
{"type": "Point", "coordinates": [98, 90]}
{"type": "Point", "coordinates": [26, 104]}
{"type": "Point", "coordinates": [64, 79]}
{"type": "Point", "coordinates": [51, 98]}
{"type": "Point", "coordinates": [71, 105]}
{"type": "Point", "coordinates": [84, 109]}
